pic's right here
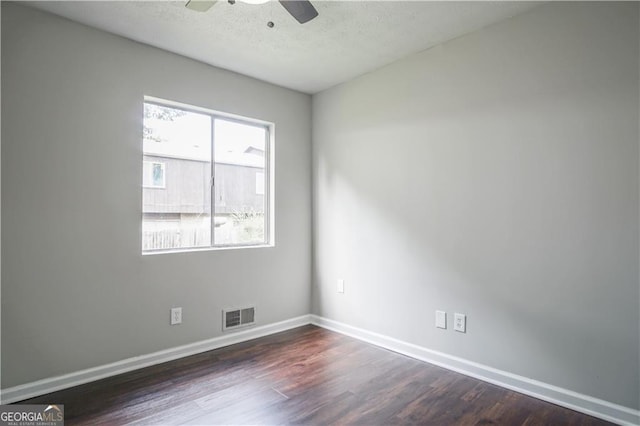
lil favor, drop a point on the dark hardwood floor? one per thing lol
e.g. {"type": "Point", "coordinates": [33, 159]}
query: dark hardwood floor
{"type": "Point", "coordinates": [303, 376]}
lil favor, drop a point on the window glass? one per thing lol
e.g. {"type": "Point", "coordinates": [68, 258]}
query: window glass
{"type": "Point", "coordinates": [239, 155]}
{"type": "Point", "coordinates": [178, 142]}
{"type": "Point", "coordinates": [153, 174]}
{"type": "Point", "coordinates": [196, 163]}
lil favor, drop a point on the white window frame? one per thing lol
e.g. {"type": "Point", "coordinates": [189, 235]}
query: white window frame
{"type": "Point", "coordinates": [269, 187]}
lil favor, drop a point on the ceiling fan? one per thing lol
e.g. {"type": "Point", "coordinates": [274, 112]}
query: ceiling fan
{"type": "Point", "coordinates": [302, 10]}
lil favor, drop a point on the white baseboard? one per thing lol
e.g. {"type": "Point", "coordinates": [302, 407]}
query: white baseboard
{"type": "Point", "coordinates": [566, 398]}
{"type": "Point", "coordinates": [556, 395]}
{"type": "Point", "coordinates": [52, 384]}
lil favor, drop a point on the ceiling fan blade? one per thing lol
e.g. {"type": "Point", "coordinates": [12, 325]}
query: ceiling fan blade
{"type": "Point", "coordinates": [200, 5]}
{"type": "Point", "coordinates": [302, 10]}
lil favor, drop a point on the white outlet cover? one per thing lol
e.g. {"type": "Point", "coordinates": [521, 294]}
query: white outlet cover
{"type": "Point", "coordinates": [176, 316]}
{"type": "Point", "coordinates": [460, 323]}
{"type": "Point", "coordinates": [441, 319]}
{"type": "Point", "coordinates": [340, 286]}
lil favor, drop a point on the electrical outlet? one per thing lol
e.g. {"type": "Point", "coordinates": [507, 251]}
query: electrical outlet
{"type": "Point", "coordinates": [340, 286]}
{"type": "Point", "coordinates": [176, 316]}
{"type": "Point", "coordinates": [441, 319]}
{"type": "Point", "coordinates": [460, 323]}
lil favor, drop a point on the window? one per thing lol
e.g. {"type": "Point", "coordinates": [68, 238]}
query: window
{"type": "Point", "coordinates": [205, 179]}
{"type": "Point", "coordinates": [152, 174]}
{"type": "Point", "coordinates": [259, 183]}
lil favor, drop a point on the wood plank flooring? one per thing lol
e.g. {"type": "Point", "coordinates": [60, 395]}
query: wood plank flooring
{"type": "Point", "coordinates": [309, 376]}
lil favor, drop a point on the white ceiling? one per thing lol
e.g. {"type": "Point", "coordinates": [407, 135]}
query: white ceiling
{"type": "Point", "coordinates": [347, 39]}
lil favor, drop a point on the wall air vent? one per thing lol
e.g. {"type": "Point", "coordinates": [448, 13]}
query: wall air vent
{"type": "Point", "coordinates": [236, 318]}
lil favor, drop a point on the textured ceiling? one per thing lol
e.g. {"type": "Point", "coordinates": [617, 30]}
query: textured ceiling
{"type": "Point", "coordinates": [347, 39]}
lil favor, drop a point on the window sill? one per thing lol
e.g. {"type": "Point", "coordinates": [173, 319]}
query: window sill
{"type": "Point", "coordinates": [201, 249]}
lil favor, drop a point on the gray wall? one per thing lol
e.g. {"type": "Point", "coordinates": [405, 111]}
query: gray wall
{"type": "Point", "coordinates": [495, 175]}
{"type": "Point", "coordinates": [76, 291]}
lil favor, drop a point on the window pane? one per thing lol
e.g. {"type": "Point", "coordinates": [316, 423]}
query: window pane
{"type": "Point", "coordinates": [239, 154]}
{"type": "Point", "coordinates": [152, 174]}
{"type": "Point", "coordinates": [176, 179]}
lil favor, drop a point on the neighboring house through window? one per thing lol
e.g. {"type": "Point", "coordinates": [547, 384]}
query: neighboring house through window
{"type": "Point", "coordinates": [205, 179]}
{"type": "Point", "coordinates": [153, 174]}
{"type": "Point", "coordinates": [259, 183]}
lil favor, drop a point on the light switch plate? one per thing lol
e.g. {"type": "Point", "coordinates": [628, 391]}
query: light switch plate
{"type": "Point", "coordinates": [340, 286]}
{"type": "Point", "coordinates": [441, 319]}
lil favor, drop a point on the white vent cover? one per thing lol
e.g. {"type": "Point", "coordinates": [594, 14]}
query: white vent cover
{"type": "Point", "coordinates": [235, 318]}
